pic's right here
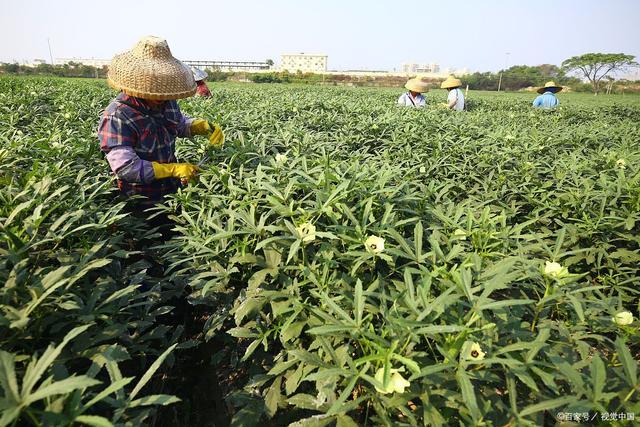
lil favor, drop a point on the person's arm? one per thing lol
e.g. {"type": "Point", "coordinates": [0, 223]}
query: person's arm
{"type": "Point", "coordinates": [117, 137]}
{"type": "Point", "coordinates": [538, 101]}
{"type": "Point", "coordinates": [401, 100]}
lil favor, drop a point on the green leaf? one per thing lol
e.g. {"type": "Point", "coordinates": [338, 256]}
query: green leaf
{"type": "Point", "coordinates": [359, 303]}
{"type": "Point", "coordinates": [8, 379]}
{"type": "Point", "coordinates": [65, 386]}
{"type": "Point", "coordinates": [468, 393]}
{"type": "Point", "coordinates": [112, 388]}
{"type": "Point", "coordinates": [273, 397]}
{"type": "Point", "coordinates": [439, 329]}
{"type": "Point", "coordinates": [93, 421]}
{"type": "Point", "coordinates": [547, 405]}
{"type": "Point", "coordinates": [344, 420]}
{"type": "Point", "coordinates": [629, 364]}
{"type": "Point", "coordinates": [154, 399]}
{"type": "Point", "coordinates": [598, 376]}
{"type": "Point", "coordinates": [152, 370]}
{"type": "Point", "coordinates": [35, 370]}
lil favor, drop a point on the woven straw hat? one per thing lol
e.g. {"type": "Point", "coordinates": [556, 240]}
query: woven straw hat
{"type": "Point", "coordinates": [450, 83]}
{"type": "Point", "coordinates": [199, 74]}
{"type": "Point", "coordinates": [417, 85]}
{"type": "Point", "coordinates": [550, 87]}
{"type": "Point", "coordinates": [149, 71]}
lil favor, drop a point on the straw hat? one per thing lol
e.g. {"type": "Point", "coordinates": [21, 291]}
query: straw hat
{"type": "Point", "coordinates": [450, 83]}
{"type": "Point", "coordinates": [149, 71]}
{"type": "Point", "coordinates": [416, 85]}
{"type": "Point", "coordinates": [550, 87]}
{"type": "Point", "coordinates": [199, 74]}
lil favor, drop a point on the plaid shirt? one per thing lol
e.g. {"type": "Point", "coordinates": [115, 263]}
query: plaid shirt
{"type": "Point", "coordinates": [133, 134]}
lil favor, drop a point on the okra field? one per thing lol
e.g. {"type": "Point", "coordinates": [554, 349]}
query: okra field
{"type": "Point", "coordinates": [341, 261]}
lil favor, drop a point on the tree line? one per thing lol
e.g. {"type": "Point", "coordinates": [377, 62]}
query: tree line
{"type": "Point", "coordinates": [70, 69]}
{"type": "Point", "coordinates": [596, 69]}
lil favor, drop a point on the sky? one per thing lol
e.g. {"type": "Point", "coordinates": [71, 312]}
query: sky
{"type": "Point", "coordinates": [481, 35]}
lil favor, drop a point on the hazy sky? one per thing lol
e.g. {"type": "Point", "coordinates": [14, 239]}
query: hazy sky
{"type": "Point", "coordinates": [359, 34]}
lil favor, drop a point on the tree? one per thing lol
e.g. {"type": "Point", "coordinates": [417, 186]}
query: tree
{"type": "Point", "coordinates": [595, 66]}
{"type": "Point", "coordinates": [269, 62]}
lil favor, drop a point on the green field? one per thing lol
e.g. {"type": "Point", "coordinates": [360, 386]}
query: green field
{"type": "Point", "coordinates": [345, 262]}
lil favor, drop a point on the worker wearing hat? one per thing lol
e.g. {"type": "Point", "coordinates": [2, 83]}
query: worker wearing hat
{"type": "Point", "coordinates": [455, 99]}
{"type": "Point", "coordinates": [138, 130]}
{"type": "Point", "coordinates": [201, 86]}
{"type": "Point", "coordinates": [414, 97]}
{"type": "Point", "coordinates": [547, 98]}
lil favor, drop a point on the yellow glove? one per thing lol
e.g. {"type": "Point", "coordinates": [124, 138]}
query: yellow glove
{"type": "Point", "coordinates": [216, 138]}
{"type": "Point", "coordinates": [200, 127]}
{"type": "Point", "coordinates": [184, 171]}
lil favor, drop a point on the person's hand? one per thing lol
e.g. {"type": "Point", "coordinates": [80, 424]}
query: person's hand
{"type": "Point", "coordinates": [216, 139]}
{"type": "Point", "coordinates": [200, 127]}
{"type": "Point", "coordinates": [184, 171]}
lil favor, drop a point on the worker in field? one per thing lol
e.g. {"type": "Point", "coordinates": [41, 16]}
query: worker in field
{"type": "Point", "coordinates": [455, 98]}
{"type": "Point", "coordinates": [201, 85]}
{"type": "Point", "coordinates": [547, 98]}
{"type": "Point", "coordinates": [138, 130]}
{"type": "Point", "coordinates": [413, 97]}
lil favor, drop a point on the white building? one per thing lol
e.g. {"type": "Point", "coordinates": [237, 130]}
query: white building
{"type": "Point", "coordinates": [93, 62]}
{"type": "Point", "coordinates": [303, 62]}
{"type": "Point", "coordinates": [413, 68]}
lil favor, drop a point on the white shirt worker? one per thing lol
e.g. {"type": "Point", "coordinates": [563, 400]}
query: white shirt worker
{"type": "Point", "coordinates": [406, 100]}
{"type": "Point", "coordinates": [456, 95]}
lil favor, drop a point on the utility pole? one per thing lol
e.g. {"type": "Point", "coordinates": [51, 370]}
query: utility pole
{"type": "Point", "coordinates": [50, 54]}
{"type": "Point", "coordinates": [506, 61]}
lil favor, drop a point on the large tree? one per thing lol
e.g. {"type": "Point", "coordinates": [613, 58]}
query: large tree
{"type": "Point", "coordinates": [596, 66]}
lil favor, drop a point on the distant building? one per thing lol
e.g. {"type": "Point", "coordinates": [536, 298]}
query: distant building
{"type": "Point", "coordinates": [214, 65]}
{"type": "Point", "coordinates": [303, 62]}
{"type": "Point", "coordinates": [230, 65]}
{"type": "Point", "coordinates": [413, 68]}
{"type": "Point", "coordinates": [93, 62]}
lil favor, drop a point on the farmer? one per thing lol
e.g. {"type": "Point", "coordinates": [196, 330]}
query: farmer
{"type": "Point", "coordinates": [547, 98]}
{"type": "Point", "coordinates": [201, 86]}
{"type": "Point", "coordinates": [414, 97]}
{"type": "Point", "coordinates": [138, 129]}
{"type": "Point", "coordinates": [455, 99]}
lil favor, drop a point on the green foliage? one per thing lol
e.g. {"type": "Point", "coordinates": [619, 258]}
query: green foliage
{"type": "Point", "coordinates": [80, 318]}
{"type": "Point", "coordinates": [471, 207]}
{"type": "Point", "coordinates": [316, 325]}
{"type": "Point", "coordinates": [519, 77]}
{"type": "Point", "coordinates": [596, 66]}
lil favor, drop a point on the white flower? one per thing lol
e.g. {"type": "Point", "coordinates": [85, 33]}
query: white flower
{"type": "Point", "coordinates": [281, 158]}
{"type": "Point", "coordinates": [374, 244]}
{"type": "Point", "coordinates": [553, 269]}
{"type": "Point", "coordinates": [423, 169]}
{"type": "Point", "coordinates": [473, 351]}
{"type": "Point", "coordinates": [460, 234]}
{"type": "Point", "coordinates": [621, 164]}
{"type": "Point", "coordinates": [623, 318]}
{"type": "Point", "coordinates": [396, 383]}
{"type": "Point", "coordinates": [306, 232]}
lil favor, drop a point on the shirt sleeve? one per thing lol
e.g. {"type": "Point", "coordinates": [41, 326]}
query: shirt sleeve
{"type": "Point", "coordinates": [118, 137]}
{"type": "Point", "coordinates": [116, 131]}
{"type": "Point", "coordinates": [127, 166]}
{"type": "Point", "coordinates": [401, 100]}
{"type": "Point", "coordinates": [453, 94]}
